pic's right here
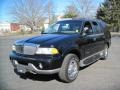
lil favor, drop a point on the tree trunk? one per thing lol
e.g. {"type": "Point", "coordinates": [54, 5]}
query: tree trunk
{"type": "Point", "coordinates": [31, 31]}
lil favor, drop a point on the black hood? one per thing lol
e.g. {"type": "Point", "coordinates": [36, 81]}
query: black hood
{"type": "Point", "coordinates": [50, 39]}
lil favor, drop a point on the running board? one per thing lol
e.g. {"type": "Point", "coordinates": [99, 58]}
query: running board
{"type": "Point", "coordinates": [89, 59]}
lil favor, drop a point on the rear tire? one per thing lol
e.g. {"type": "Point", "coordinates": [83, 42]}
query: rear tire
{"type": "Point", "coordinates": [105, 53]}
{"type": "Point", "coordinates": [70, 68]}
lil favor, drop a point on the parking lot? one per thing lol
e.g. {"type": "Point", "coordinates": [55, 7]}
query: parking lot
{"type": "Point", "coordinates": [102, 75]}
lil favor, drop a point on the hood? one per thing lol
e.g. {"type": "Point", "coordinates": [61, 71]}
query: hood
{"type": "Point", "coordinates": [50, 39]}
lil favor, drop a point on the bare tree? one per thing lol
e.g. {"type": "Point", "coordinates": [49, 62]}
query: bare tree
{"type": "Point", "coordinates": [71, 11]}
{"type": "Point", "coordinates": [29, 12]}
{"type": "Point", "coordinates": [50, 10]}
{"type": "Point", "coordinates": [86, 7]}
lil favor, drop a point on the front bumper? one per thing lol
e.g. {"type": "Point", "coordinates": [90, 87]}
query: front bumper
{"type": "Point", "coordinates": [25, 63]}
{"type": "Point", "coordinates": [31, 68]}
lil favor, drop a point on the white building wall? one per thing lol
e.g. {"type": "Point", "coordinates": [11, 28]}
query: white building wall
{"type": "Point", "coordinates": [25, 28]}
{"type": "Point", "coordinates": [5, 27]}
{"type": "Point", "coordinates": [46, 25]}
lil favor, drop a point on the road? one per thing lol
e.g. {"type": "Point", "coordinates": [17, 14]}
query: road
{"type": "Point", "coordinates": [102, 75]}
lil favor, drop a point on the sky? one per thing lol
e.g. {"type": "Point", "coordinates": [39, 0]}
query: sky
{"type": "Point", "coordinates": [60, 6]}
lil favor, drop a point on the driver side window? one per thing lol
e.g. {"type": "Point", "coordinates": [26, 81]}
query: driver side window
{"type": "Point", "coordinates": [87, 29]}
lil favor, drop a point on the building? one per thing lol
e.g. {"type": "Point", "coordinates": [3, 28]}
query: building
{"type": "Point", "coordinates": [5, 27]}
{"type": "Point", "coordinates": [9, 27]}
{"type": "Point", "coordinates": [25, 28]}
{"type": "Point", "coordinates": [15, 27]}
{"type": "Point", "coordinates": [46, 23]}
{"type": "Point", "coordinates": [59, 17]}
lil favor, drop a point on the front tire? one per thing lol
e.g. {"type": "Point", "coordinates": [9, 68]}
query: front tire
{"type": "Point", "coordinates": [70, 68]}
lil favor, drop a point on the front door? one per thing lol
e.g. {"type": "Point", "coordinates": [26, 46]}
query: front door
{"type": "Point", "coordinates": [90, 39]}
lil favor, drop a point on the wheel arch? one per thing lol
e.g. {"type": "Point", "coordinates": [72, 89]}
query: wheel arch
{"type": "Point", "coordinates": [73, 51]}
{"type": "Point", "coordinates": [108, 44]}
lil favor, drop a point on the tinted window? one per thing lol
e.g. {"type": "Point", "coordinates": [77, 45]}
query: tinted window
{"type": "Point", "coordinates": [88, 28]}
{"type": "Point", "coordinates": [96, 28]}
{"type": "Point", "coordinates": [103, 24]}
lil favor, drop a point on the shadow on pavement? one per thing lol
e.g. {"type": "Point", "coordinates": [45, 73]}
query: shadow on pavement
{"type": "Point", "coordinates": [41, 77]}
{"type": "Point", "coordinates": [82, 68]}
{"type": "Point", "coordinates": [38, 77]}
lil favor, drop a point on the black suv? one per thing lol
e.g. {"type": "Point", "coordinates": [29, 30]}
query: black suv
{"type": "Point", "coordinates": [63, 48]}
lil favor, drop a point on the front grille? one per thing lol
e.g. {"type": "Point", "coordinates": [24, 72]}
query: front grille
{"type": "Point", "coordinates": [19, 48]}
{"type": "Point", "coordinates": [28, 49]}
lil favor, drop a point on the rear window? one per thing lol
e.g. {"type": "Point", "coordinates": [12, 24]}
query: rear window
{"type": "Point", "coordinates": [102, 25]}
{"type": "Point", "coordinates": [96, 28]}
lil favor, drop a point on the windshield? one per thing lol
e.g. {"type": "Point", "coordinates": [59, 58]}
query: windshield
{"type": "Point", "coordinates": [68, 27]}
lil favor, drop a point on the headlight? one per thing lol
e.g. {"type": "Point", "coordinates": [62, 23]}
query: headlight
{"type": "Point", "coordinates": [47, 51]}
{"type": "Point", "coordinates": [13, 48]}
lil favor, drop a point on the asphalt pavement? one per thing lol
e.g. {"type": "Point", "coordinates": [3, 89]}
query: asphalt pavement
{"type": "Point", "coordinates": [102, 75]}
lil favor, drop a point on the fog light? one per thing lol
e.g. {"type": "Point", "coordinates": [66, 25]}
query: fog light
{"type": "Point", "coordinates": [40, 65]}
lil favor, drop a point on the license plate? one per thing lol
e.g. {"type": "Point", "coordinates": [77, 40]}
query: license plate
{"type": "Point", "coordinates": [21, 69]}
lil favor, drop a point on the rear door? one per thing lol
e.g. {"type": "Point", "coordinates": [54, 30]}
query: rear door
{"type": "Point", "coordinates": [99, 36]}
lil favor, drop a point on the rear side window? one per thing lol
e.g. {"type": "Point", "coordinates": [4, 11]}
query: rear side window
{"type": "Point", "coordinates": [96, 28]}
{"type": "Point", "coordinates": [102, 25]}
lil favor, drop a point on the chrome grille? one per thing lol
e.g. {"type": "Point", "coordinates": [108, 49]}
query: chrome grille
{"type": "Point", "coordinates": [19, 48]}
{"type": "Point", "coordinates": [27, 48]}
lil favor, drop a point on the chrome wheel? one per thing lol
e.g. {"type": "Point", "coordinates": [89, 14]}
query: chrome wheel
{"type": "Point", "coordinates": [72, 69]}
{"type": "Point", "coordinates": [106, 52]}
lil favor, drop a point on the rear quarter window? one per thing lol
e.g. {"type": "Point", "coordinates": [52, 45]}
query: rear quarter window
{"type": "Point", "coordinates": [105, 29]}
{"type": "Point", "coordinates": [97, 28]}
{"type": "Point", "coordinates": [102, 25]}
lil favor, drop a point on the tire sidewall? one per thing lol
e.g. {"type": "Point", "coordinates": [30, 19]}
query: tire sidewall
{"type": "Point", "coordinates": [104, 57]}
{"type": "Point", "coordinates": [77, 62]}
{"type": "Point", "coordinates": [66, 61]}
